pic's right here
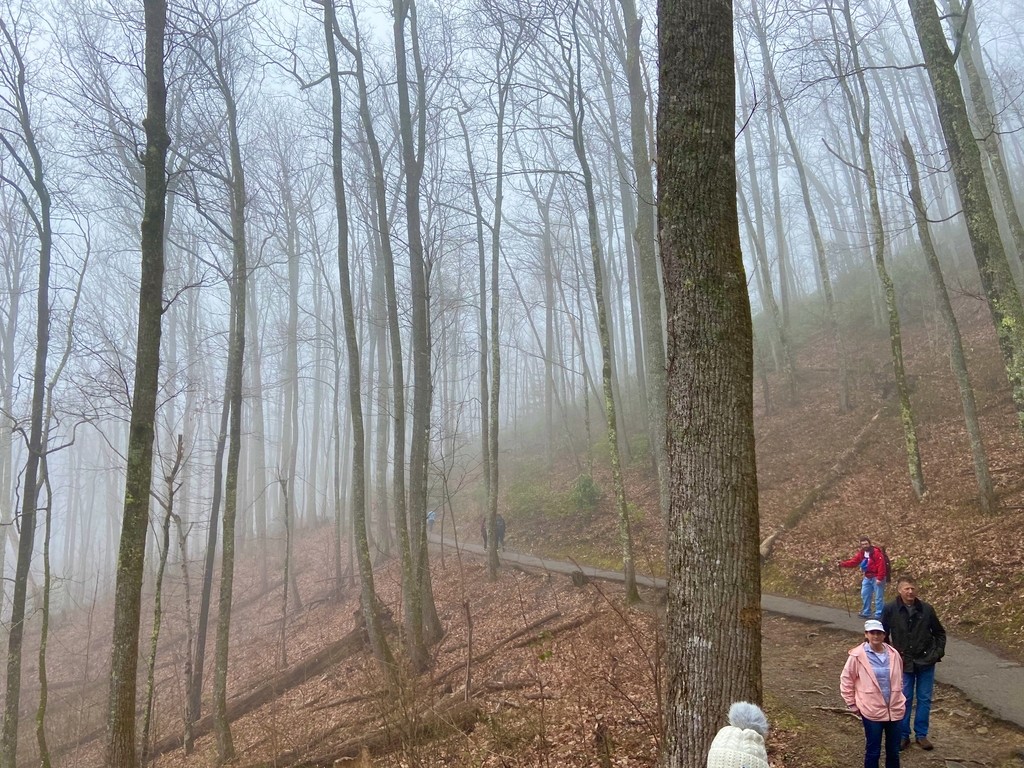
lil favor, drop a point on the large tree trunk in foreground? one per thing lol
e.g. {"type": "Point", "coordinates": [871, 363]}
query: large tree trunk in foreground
{"type": "Point", "coordinates": [713, 626]}
{"type": "Point", "coordinates": [131, 556]}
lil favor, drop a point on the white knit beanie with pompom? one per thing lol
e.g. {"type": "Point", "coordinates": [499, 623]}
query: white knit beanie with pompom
{"type": "Point", "coordinates": [741, 743]}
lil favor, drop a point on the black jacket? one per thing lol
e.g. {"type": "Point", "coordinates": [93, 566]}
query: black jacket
{"type": "Point", "coordinates": [915, 632]}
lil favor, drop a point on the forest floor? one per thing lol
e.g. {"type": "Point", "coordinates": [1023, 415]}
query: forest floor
{"type": "Point", "coordinates": [565, 675]}
{"type": "Point", "coordinates": [559, 675]}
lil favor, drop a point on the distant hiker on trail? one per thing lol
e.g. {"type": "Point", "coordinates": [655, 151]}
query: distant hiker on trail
{"type": "Point", "coordinates": [872, 686]}
{"type": "Point", "coordinates": [871, 560]}
{"type": "Point", "coordinates": [916, 632]}
{"type": "Point", "coordinates": [499, 526]}
{"type": "Point", "coordinates": [431, 519]}
{"type": "Point", "coordinates": [741, 743]}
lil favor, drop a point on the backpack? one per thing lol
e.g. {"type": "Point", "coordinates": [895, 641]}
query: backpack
{"type": "Point", "coordinates": [888, 564]}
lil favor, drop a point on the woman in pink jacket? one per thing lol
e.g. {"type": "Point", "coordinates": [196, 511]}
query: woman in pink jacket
{"type": "Point", "coordinates": [872, 686]}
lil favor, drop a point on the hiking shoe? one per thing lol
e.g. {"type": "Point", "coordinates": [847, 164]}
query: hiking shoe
{"type": "Point", "coordinates": [926, 745]}
{"type": "Point", "coordinates": [864, 615]}
{"type": "Point", "coordinates": [905, 743]}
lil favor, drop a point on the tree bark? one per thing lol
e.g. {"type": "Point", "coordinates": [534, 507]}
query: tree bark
{"type": "Point", "coordinates": [41, 219]}
{"type": "Point", "coordinates": [989, 137]}
{"type": "Point", "coordinates": [368, 593]}
{"type": "Point", "coordinates": [394, 334]}
{"type": "Point", "coordinates": [236, 362]}
{"type": "Point", "coordinates": [574, 104]}
{"type": "Point", "coordinates": [958, 360]}
{"type": "Point", "coordinates": [713, 624]}
{"type": "Point", "coordinates": [1004, 301]}
{"type": "Point", "coordinates": [131, 555]}
{"type": "Point", "coordinates": [860, 112]}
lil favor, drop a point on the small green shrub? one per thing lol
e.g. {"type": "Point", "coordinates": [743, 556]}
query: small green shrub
{"type": "Point", "coordinates": [529, 495]}
{"type": "Point", "coordinates": [636, 513]}
{"type": "Point", "coordinates": [584, 493]}
{"type": "Point", "coordinates": [640, 448]}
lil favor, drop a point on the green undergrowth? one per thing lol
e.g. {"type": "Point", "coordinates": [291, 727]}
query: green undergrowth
{"type": "Point", "coordinates": [795, 738]}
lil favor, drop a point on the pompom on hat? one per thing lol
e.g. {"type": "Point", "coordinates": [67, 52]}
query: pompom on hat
{"type": "Point", "coordinates": [741, 743]}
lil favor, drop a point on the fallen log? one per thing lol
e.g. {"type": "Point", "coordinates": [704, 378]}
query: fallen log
{"type": "Point", "coordinates": [292, 677]}
{"type": "Point", "coordinates": [434, 723]}
{"type": "Point", "coordinates": [497, 646]}
{"type": "Point", "coordinates": [565, 626]}
{"type": "Point", "coordinates": [831, 477]}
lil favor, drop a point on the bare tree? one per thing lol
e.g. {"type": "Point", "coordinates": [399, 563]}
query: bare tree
{"type": "Point", "coordinates": [413, 141]}
{"type": "Point", "coordinates": [1004, 301]}
{"type": "Point", "coordinates": [859, 105]}
{"type": "Point", "coordinates": [958, 360]}
{"type": "Point", "coordinates": [368, 594]}
{"type": "Point", "coordinates": [574, 104]}
{"type": "Point", "coordinates": [121, 746]}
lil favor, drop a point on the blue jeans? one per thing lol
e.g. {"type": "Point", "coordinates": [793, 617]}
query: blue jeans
{"type": "Point", "coordinates": [873, 730]}
{"type": "Point", "coordinates": [923, 679]}
{"type": "Point", "coordinates": [872, 587]}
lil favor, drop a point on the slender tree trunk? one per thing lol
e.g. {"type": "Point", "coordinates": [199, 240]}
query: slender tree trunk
{"type": "Point", "coordinates": [368, 594]}
{"type": "Point", "coordinates": [236, 363]}
{"type": "Point", "coordinates": [986, 495]}
{"type": "Point", "coordinates": [861, 114]}
{"type": "Point", "coordinates": [282, 659]}
{"type": "Point", "coordinates": [44, 630]}
{"type": "Point", "coordinates": [990, 140]}
{"type": "Point", "coordinates": [16, 253]}
{"type": "Point", "coordinates": [32, 166]}
{"type": "Point", "coordinates": [165, 547]}
{"type": "Point", "coordinates": [646, 248]}
{"type": "Point", "coordinates": [1004, 301]}
{"type": "Point", "coordinates": [781, 245]}
{"type": "Point", "coordinates": [193, 709]}
{"type": "Point", "coordinates": [762, 266]}
{"type": "Point", "coordinates": [824, 276]}
{"type": "Point", "coordinates": [394, 336]}
{"type": "Point", "coordinates": [482, 330]}
{"type": "Point", "coordinates": [424, 612]}
{"type": "Point", "coordinates": [575, 105]}
{"type": "Point", "coordinates": [131, 555]}
{"type": "Point", "coordinates": [259, 439]}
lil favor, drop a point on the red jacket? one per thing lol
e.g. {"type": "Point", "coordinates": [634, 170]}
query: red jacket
{"type": "Point", "coordinates": [860, 689]}
{"type": "Point", "coordinates": [876, 562]}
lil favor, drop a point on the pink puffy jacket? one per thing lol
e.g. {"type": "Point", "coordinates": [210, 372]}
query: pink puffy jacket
{"type": "Point", "coordinates": [860, 689]}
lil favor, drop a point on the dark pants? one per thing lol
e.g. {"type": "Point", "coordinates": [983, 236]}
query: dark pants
{"type": "Point", "coordinates": [873, 731]}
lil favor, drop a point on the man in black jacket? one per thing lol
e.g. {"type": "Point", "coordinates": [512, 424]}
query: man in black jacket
{"type": "Point", "coordinates": [916, 632]}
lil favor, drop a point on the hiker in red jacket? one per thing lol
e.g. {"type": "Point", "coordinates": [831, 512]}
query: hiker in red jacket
{"type": "Point", "coordinates": [871, 560]}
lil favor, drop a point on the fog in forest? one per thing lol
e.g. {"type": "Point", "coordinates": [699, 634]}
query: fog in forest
{"type": "Point", "coordinates": [496, 289]}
